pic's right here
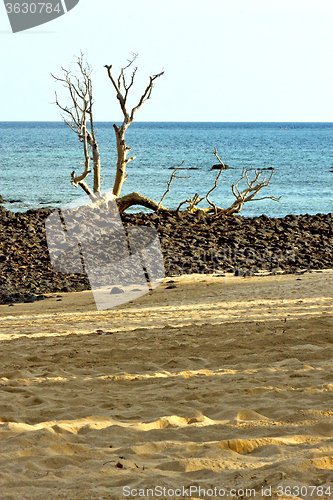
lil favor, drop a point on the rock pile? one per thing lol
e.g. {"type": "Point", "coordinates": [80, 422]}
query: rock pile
{"type": "Point", "coordinates": [191, 243]}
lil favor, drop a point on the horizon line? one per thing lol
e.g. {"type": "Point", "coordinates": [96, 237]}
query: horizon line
{"type": "Point", "coordinates": [163, 121]}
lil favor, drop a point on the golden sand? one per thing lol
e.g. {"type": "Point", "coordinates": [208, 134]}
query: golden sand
{"type": "Point", "coordinates": [218, 383]}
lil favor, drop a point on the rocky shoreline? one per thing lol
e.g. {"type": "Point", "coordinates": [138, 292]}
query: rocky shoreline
{"type": "Point", "coordinates": [191, 243]}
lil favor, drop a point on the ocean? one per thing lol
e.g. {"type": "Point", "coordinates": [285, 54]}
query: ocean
{"type": "Point", "coordinates": [37, 159]}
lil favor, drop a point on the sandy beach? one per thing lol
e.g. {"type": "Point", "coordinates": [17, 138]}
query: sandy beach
{"type": "Point", "coordinates": [206, 390]}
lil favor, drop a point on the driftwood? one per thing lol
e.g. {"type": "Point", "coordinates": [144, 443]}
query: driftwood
{"type": "Point", "coordinates": [138, 199]}
{"type": "Point", "coordinates": [247, 194]}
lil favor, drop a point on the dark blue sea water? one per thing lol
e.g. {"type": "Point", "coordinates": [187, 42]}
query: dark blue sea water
{"type": "Point", "coordinates": [38, 157]}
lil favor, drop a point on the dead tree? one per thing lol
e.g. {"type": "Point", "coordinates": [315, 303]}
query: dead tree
{"type": "Point", "coordinates": [247, 194]}
{"type": "Point", "coordinates": [79, 117]}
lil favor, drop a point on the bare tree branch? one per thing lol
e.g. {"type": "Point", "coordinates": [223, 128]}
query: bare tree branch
{"type": "Point", "coordinates": [215, 186]}
{"type": "Point", "coordinates": [192, 202]}
{"type": "Point", "coordinates": [249, 193]}
{"type": "Point", "coordinates": [147, 94]}
{"type": "Point", "coordinates": [223, 166]}
{"type": "Point", "coordinates": [173, 175]}
{"type": "Point", "coordinates": [183, 203]}
{"type": "Point", "coordinates": [122, 89]}
{"type": "Point", "coordinates": [80, 113]}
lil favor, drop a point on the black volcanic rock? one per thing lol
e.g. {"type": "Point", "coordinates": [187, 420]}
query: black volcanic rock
{"type": "Point", "coordinates": [191, 243]}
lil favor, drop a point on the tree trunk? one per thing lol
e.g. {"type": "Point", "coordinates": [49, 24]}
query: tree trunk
{"type": "Point", "coordinates": [97, 167]}
{"type": "Point", "coordinates": [122, 161]}
{"type": "Point", "coordinates": [138, 199]}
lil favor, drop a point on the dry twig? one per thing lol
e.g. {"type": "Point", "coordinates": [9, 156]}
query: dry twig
{"type": "Point", "coordinates": [173, 175]}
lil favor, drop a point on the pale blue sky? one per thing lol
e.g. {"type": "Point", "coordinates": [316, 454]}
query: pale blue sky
{"type": "Point", "coordinates": [224, 60]}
